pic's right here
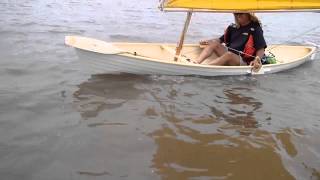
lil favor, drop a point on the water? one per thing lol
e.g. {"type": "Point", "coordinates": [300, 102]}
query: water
{"type": "Point", "coordinates": [59, 121]}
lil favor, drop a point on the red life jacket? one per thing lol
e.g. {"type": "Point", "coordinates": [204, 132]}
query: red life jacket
{"type": "Point", "coordinates": [248, 50]}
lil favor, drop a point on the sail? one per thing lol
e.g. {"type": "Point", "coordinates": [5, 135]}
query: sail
{"type": "Point", "coordinates": [242, 5]}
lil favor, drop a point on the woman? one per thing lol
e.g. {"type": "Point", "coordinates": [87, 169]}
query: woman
{"type": "Point", "coordinates": [244, 44]}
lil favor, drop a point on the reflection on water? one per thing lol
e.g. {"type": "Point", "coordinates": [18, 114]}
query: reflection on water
{"type": "Point", "coordinates": [241, 108]}
{"type": "Point", "coordinates": [217, 155]}
{"type": "Point", "coordinates": [232, 149]}
{"type": "Point", "coordinates": [197, 135]}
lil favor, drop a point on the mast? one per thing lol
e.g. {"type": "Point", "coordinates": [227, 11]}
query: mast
{"type": "Point", "coordinates": [184, 31]}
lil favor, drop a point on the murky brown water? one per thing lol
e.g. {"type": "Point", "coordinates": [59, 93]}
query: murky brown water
{"type": "Point", "coordinates": [59, 121]}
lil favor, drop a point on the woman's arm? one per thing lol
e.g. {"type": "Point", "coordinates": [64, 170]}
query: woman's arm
{"type": "Point", "coordinates": [260, 53]}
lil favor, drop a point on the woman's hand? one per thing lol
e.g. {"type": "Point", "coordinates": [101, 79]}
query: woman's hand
{"type": "Point", "coordinates": [204, 42]}
{"type": "Point", "coordinates": [256, 63]}
{"type": "Point", "coordinates": [195, 62]}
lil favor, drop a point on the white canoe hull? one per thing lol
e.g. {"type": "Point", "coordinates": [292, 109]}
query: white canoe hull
{"type": "Point", "coordinates": [102, 63]}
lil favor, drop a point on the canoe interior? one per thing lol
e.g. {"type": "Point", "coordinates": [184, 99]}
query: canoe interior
{"type": "Point", "coordinates": [165, 52]}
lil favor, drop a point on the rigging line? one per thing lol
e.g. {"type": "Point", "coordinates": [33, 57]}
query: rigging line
{"type": "Point", "coordinates": [299, 35]}
{"type": "Point", "coordinates": [240, 52]}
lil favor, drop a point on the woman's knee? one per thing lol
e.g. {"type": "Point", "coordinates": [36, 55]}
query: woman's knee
{"type": "Point", "coordinates": [232, 59]}
{"type": "Point", "coordinates": [229, 54]}
{"type": "Point", "coordinates": [214, 44]}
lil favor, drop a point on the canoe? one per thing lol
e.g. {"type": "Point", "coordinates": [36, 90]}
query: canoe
{"type": "Point", "coordinates": [158, 58]}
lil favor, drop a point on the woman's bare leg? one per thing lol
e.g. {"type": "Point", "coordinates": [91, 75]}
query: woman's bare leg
{"type": "Point", "coordinates": [213, 46]}
{"type": "Point", "coordinates": [227, 59]}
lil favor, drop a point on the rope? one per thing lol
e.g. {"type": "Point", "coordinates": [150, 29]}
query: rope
{"type": "Point", "coordinates": [240, 52]}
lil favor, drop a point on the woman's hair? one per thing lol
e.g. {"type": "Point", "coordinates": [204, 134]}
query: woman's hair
{"type": "Point", "coordinates": [252, 18]}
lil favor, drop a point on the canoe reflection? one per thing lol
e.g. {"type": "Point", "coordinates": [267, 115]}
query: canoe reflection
{"type": "Point", "coordinates": [103, 92]}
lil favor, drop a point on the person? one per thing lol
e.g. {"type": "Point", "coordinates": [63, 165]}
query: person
{"type": "Point", "coordinates": [242, 44]}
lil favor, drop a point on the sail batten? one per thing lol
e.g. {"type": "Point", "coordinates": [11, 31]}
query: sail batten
{"type": "Point", "coordinates": [242, 5]}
